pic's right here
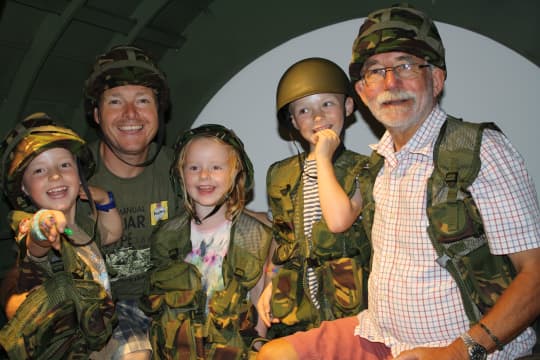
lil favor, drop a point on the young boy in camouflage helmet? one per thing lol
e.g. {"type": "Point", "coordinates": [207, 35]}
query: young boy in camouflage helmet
{"type": "Point", "coordinates": [322, 254]}
{"type": "Point", "coordinates": [417, 309]}
{"type": "Point", "coordinates": [43, 164]}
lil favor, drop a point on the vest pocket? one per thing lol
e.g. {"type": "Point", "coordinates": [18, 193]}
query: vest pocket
{"type": "Point", "coordinates": [343, 284]}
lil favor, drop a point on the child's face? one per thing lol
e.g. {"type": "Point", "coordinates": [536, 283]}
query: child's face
{"type": "Point", "coordinates": [320, 111]}
{"type": "Point", "coordinates": [52, 180]}
{"type": "Point", "coordinates": [208, 171]}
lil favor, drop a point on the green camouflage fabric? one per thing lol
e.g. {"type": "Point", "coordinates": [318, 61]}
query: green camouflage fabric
{"type": "Point", "coordinates": [307, 77]}
{"type": "Point", "coordinates": [35, 134]}
{"type": "Point", "coordinates": [455, 227]}
{"type": "Point", "coordinates": [340, 260]}
{"type": "Point", "coordinates": [399, 28]}
{"type": "Point", "coordinates": [125, 65]}
{"type": "Point", "coordinates": [182, 327]}
{"type": "Point", "coordinates": [66, 317]}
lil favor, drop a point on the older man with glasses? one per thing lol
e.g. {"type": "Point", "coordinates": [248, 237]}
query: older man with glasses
{"type": "Point", "coordinates": [452, 215]}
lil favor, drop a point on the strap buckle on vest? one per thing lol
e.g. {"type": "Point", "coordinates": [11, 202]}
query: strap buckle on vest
{"type": "Point", "coordinates": [313, 262]}
{"type": "Point", "coordinates": [451, 178]}
{"type": "Point", "coordinates": [443, 260]}
{"type": "Point", "coordinates": [173, 254]}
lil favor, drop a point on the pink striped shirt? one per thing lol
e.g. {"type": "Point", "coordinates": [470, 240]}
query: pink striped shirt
{"type": "Point", "coordinates": [412, 300]}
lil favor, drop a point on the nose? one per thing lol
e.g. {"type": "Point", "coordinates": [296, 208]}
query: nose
{"type": "Point", "coordinates": [55, 175]}
{"type": "Point", "coordinates": [390, 78]}
{"type": "Point", "coordinates": [205, 173]}
{"type": "Point", "coordinates": [130, 110]}
{"type": "Point", "coordinates": [318, 114]}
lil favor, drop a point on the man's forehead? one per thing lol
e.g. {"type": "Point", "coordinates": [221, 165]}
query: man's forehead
{"type": "Point", "coordinates": [392, 56]}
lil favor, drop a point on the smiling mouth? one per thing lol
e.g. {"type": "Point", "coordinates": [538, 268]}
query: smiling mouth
{"type": "Point", "coordinates": [130, 128]}
{"type": "Point", "coordinates": [206, 188]}
{"type": "Point", "coordinates": [58, 191]}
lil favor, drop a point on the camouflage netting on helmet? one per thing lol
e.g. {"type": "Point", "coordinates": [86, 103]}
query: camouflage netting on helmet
{"type": "Point", "coordinates": [308, 77]}
{"type": "Point", "coordinates": [34, 135]}
{"type": "Point", "coordinates": [125, 65]}
{"type": "Point", "coordinates": [399, 28]}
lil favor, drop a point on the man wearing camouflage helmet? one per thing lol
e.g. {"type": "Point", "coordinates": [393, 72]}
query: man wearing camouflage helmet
{"type": "Point", "coordinates": [456, 256]}
{"type": "Point", "coordinates": [126, 95]}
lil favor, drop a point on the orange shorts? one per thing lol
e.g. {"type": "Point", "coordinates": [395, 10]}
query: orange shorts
{"type": "Point", "coordinates": [336, 340]}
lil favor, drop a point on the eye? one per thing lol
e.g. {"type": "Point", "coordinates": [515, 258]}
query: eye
{"type": "Point", "coordinates": [191, 168]}
{"type": "Point", "coordinates": [378, 72]}
{"type": "Point", "coordinates": [38, 171]}
{"type": "Point", "coordinates": [66, 164]}
{"type": "Point", "coordinates": [302, 111]}
{"type": "Point", "coordinates": [406, 66]}
{"type": "Point", "coordinates": [328, 103]}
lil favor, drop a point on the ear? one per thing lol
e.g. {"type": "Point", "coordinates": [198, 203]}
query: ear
{"type": "Point", "coordinates": [349, 106]}
{"type": "Point", "coordinates": [23, 188]}
{"type": "Point", "coordinates": [96, 115]}
{"type": "Point", "coordinates": [293, 122]}
{"type": "Point", "coordinates": [438, 75]}
{"type": "Point", "coordinates": [359, 87]}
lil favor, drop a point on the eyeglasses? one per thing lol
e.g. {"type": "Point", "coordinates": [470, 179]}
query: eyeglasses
{"type": "Point", "coordinates": [402, 71]}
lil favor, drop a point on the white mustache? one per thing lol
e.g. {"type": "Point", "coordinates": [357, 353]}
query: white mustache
{"type": "Point", "coordinates": [398, 95]}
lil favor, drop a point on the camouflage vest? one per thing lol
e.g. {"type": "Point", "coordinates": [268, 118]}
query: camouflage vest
{"type": "Point", "coordinates": [66, 317]}
{"type": "Point", "coordinates": [340, 260]}
{"type": "Point", "coordinates": [181, 327]}
{"type": "Point", "coordinates": [455, 226]}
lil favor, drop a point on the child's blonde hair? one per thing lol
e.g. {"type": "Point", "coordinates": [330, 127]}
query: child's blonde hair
{"type": "Point", "coordinates": [235, 199]}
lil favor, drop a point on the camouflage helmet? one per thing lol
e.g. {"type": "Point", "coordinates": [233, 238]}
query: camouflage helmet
{"type": "Point", "coordinates": [124, 65]}
{"type": "Point", "coordinates": [211, 130]}
{"type": "Point", "coordinates": [34, 135]}
{"type": "Point", "coordinates": [308, 77]}
{"type": "Point", "coordinates": [398, 28]}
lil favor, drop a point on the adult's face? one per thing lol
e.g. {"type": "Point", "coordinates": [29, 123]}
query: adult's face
{"type": "Point", "coordinates": [128, 118]}
{"type": "Point", "coordinates": [400, 104]}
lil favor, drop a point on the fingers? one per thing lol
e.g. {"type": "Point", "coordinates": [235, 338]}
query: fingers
{"type": "Point", "coordinates": [51, 224]}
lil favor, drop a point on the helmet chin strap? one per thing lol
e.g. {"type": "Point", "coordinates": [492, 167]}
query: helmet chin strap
{"type": "Point", "coordinates": [216, 208]}
{"type": "Point", "coordinates": [160, 139]}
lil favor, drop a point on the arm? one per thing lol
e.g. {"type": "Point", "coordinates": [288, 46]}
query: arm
{"type": "Point", "coordinates": [110, 221]}
{"type": "Point", "coordinates": [503, 320]}
{"type": "Point", "coordinates": [339, 211]}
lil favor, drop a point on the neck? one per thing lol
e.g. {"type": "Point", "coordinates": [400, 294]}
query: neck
{"type": "Point", "coordinates": [118, 167]}
{"type": "Point", "coordinates": [213, 221]}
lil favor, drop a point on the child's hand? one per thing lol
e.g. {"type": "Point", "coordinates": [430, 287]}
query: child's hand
{"type": "Point", "coordinates": [47, 225]}
{"type": "Point", "coordinates": [99, 196]}
{"type": "Point", "coordinates": [263, 306]}
{"type": "Point", "coordinates": [326, 142]}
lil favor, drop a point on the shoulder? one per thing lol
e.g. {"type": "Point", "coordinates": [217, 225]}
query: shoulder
{"type": "Point", "coordinates": [173, 224]}
{"type": "Point", "coordinates": [250, 218]}
{"type": "Point", "coordinates": [284, 166]}
{"type": "Point", "coordinates": [165, 156]}
{"type": "Point", "coordinates": [351, 161]}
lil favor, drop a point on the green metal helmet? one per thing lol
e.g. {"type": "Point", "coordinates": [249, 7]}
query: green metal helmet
{"type": "Point", "coordinates": [125, 65]}
{"type": "Point", "coordinates": [211, 130]}
{"type": "Point", "coordinates": [34, 135]}
{"type": "Point", "coordinates": [308, 77]}
{"type": "Point", "coordinates": [398, 28]}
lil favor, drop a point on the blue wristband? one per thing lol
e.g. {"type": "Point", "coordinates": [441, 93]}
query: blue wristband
{"type": "Point", "coordinates": [110, 205]}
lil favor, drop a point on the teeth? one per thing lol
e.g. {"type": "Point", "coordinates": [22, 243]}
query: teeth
{"type": "Point", "coordinates": [57, 190]}
{"type": "Point", "coordinates": [131, 127]}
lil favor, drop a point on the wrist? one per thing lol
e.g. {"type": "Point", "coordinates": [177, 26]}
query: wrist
{"type": "Point", "coordinates": [109, 205]}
